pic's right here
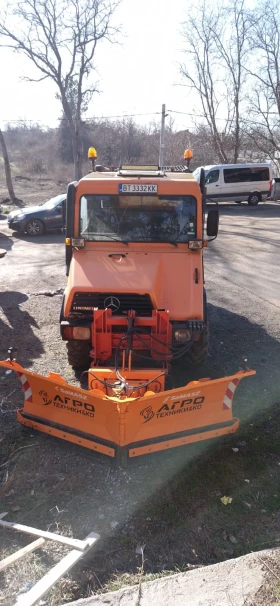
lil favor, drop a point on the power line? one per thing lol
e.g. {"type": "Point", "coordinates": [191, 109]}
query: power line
{"type": "Point", "coordinates": [126, 115]}
{"type": "Point", "coordinates": [87, 119]}
{"type": "Point", "coordinates": [244, 120]}
{"type": "Point", "coordinates": [123, 116]}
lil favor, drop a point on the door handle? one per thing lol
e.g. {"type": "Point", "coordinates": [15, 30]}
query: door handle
{"type": "Point", "coordinates": [217, 185]}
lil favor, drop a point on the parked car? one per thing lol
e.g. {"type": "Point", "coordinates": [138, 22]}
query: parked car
{"type": "Point", "coordinates": [34, 220]}
{"type": "Point", "coordinates": [237, 182]}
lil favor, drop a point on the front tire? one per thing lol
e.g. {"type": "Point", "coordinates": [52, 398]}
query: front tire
{"type": "Point", "coordinates": [198, 353]}
{"type": "Point", "coordinates": [78, 354]}
{"type": "Point", "coordinates": [254, 199]}
{"type": "Point", "coordinates": [34, 227]}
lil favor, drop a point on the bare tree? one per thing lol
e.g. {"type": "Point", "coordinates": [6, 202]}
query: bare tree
{"type": "Point", "coordinates": [7, 168]}
{"type": "Point", "coordinates": [264, 123]}
{"type": "Point", "coordinates": [200, 71]}
{"type": "Point", "coordinates": [60, 37]}
{"type": "Point", "coordinates": [216, 49]}
{"type": "Point", "coordinates": [233, 50]}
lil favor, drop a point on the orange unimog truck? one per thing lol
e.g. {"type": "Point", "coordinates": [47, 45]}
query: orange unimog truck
{"type": "Point", "coordinates": [134, 303]}
{"type": "Point", "coordinates": [134, 255]}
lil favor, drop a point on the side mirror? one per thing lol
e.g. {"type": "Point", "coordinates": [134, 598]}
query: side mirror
{"type": "Point", "coordinates": [202, 181]}
{"type": "Point", "coordinates": [213, 223]}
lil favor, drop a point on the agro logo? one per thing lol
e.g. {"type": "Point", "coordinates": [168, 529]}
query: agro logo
{"type": "Point", "coordinates": [77, 406]}
{"type": "Point", "coordinates": [147, 414]}
{"type": "Point", "coordinates": [173, 408]}
{"type": "Point", "coordinates": [45, 397]}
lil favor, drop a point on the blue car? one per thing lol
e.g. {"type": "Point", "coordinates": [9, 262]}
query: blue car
{"type": "Point", "coordinates": [34, 220]}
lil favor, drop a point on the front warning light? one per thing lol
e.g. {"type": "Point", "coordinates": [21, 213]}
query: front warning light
{"type": "Point", "coordinates": [188, 154]}
{"type": "Point", "coordinates": [76, 242]}
{"type": "Point", "coordinates": [92, 153]}
{"type": "Point", "coordinates": [195, 244]}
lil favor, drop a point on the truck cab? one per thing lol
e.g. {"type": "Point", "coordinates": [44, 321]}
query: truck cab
{"type": "Point", "coordinates": [134, 257]}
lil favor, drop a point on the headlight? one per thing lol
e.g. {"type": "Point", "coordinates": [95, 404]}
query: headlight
{"type": "Point", "coordinates": [195, 244]}
{"type": "Point", "coordinates": [82, 333]}
{"type": "Point", "coordinates": [182, 335]}
{"type": "Point", "coordinates": [78, 242]}
{"type": "Point", "coordinates": [19, 217]}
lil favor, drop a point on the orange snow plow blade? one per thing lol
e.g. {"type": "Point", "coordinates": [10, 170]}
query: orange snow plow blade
{"type": "Point", "coordinates": [126, 427]}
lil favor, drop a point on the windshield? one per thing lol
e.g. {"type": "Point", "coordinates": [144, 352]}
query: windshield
{"type": "Point", "coordinates": [138, 218]}
{"type": "Point", "coordinates": [54, 201]}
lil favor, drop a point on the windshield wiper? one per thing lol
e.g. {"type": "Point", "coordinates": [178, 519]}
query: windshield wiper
{"type": "Point", "coordinates": [173, 242]}
{"type": "Point", "coordinates": [106, 236]}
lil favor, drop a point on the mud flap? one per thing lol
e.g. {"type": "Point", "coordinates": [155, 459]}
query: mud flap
{"type": "Point", "coordinates": [128, 427]}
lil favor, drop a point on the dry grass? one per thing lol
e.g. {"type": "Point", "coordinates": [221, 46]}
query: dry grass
{"type": "Point", "coordinates": [269, 593]}
{"type": "Point", "coordinates": [21, 576]}
{"type": "Point", "coordinates": [35, 189]}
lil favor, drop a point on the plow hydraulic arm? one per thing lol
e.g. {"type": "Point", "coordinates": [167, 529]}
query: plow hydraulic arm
{"type": "Point", "coordinates": [124, 426]}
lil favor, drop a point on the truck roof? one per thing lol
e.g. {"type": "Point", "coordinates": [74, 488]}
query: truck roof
{"type": "Point", "coordinates": [103, 176]}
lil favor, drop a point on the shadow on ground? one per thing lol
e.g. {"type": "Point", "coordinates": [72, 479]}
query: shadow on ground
{"type": "Point", "coordinates": [6, 241]}
{"type": "Point", "coordinates": [55, 237]}
{"type": "Point", "coordinates": [16, 327]}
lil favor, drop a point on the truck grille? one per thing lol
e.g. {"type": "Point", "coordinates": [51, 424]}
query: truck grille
{"type": "Point", "coordinates": [85, 302]}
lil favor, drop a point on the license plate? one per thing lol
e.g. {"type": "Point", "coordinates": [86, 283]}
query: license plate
{"type": "Point", "coordinates": [137, 188]}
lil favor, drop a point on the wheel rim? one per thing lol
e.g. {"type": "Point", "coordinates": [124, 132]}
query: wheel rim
{"type": "Point", "coordinates": [33, 228]}
{"type": "Point", "coordinates": [254, 199]}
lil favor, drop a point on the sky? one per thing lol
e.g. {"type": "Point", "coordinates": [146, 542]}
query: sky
{"type": "Point", "coordinates": [135, 77]}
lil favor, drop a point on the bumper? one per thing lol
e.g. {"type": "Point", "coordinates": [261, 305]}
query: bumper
{"type": "Point", "coordinates": [16, 225]}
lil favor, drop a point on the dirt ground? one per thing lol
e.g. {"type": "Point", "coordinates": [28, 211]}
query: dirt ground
{"type": "Point", "coordinates": [170, 502]}
{"type": "Point", "coordinates": [31, 190]}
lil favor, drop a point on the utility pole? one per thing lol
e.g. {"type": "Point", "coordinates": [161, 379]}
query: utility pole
{"type": "Point", "coordinates": [162, 134]}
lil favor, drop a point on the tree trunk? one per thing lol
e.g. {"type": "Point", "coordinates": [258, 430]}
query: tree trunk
{"type": "Point", "coordinates": [77, 153]}
{"type": "Point", "coordinates": [75, 130]}
{"type": "Point", "coordinates": [7, 168]}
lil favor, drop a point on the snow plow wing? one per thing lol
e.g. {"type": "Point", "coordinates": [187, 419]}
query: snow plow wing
{"type": "Point", "coordinates": [127, 427]}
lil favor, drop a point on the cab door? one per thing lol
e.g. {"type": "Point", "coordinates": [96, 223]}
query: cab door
{"type": "Point", "coordinates": [213, 183]}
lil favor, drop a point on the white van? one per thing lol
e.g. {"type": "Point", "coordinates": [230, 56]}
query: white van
{"type": "Point", "coordinates": [237, 182]}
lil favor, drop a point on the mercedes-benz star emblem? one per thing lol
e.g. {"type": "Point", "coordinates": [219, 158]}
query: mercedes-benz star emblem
{"type": "Point", "coordinates": [112, 303]}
